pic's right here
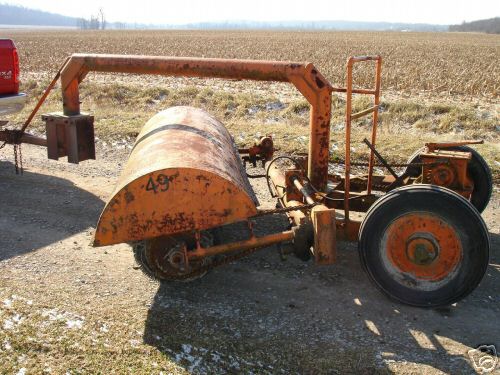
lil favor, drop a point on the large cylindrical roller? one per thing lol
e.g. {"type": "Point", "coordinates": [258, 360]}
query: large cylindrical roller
{"type": "Point", "coordinates": [184, 173]}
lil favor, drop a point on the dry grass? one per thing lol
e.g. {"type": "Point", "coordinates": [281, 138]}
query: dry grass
{"type": "Point", "coordinates": [437, 64]}
{"type": "Point", "coordinates": [121, 110]}
{"type": "Point", "coordinates": [456, 63]}
{"type": "Point", "coordinates": [34, 334]}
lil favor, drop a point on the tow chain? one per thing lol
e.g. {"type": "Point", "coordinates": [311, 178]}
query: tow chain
{"type": "Point", "coordinates": [13, 138]}
{"type": "Point", "coordinates": [18, 158]}
{"type": "Point", "coordinates": [285, 210]}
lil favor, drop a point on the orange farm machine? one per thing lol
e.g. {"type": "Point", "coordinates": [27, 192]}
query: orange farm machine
{"type": "Point", "coordinates": [421, 237]}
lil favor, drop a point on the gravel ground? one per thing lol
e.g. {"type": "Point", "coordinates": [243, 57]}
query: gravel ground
{"type": "Point", "coordinates": [65, 306]}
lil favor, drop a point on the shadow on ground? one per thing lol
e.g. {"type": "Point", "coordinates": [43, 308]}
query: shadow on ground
{"type": "Point", "coordinates": [37, 210]}
{"type": "Point", "coordinates": [266, 316]}
{"type": "Point", "coordinates": [263, 315]}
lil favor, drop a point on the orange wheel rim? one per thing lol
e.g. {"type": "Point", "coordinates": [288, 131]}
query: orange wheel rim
{"type": "Point", "coordinates": [423, 246]}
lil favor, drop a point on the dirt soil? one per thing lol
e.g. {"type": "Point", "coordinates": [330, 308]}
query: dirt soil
{"type": "Point", "coordinates": [66, 307]}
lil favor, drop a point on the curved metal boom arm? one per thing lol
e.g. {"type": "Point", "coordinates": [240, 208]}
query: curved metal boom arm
{"type": "Point", "coordinates": [304, 76]}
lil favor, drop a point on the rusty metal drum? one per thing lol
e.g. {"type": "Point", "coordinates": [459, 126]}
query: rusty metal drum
{"type": "Point", "coordinates": [183, 174]}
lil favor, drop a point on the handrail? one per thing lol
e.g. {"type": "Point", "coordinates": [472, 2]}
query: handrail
{"type": "Point", "coordinates": [349, 117]}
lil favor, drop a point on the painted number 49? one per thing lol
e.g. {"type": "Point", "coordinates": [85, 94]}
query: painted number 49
{"type": "Point", "coordinates": [161, 184]}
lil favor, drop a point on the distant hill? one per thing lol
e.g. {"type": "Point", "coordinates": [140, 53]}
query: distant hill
{"type": "Point", "coordinates": [490, 26]}
{"type": "Point", "coordinates": [316, 25]}
{"type": "Point", "coordinates": [17, 15]}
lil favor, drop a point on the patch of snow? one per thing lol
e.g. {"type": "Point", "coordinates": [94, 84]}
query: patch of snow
{"type": "Point", "coordinates": [7, 303]}
{"type": "Point", "coordinates": [72, 321]}
{"type": "Point", "coordinates": [22, 371]}
{"type": "Point", "coordinates": [74, 324]}
{"type": "Point", "coordinates": [8, 324]}
{"type": "Point", "coordinates": [52, 314]}
{"type": "Point", "coordinates": [12, 322]}
{"type": "Point", "coordinates": [253, 110]}
{"type": "Point", "coordinates": [194, 363]}
{"type": "Point", "coordinates": [334, 147]}
{"type": "Point", "coordinates": [272, 120]}
{"type": "Point", "coordinates": [104, 328]}
{"type": "Point", "coordinates": [205, 361]}
{"type": "Point", "coordinates": [273, 106]}
{"type": "Point", "coordinates": [234, 364]}
{"type": "Point", "coordinates": [6, 345]}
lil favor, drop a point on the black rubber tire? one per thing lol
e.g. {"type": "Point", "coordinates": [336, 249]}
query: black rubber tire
{"type": "Point", "coordinates": [414, 171]}
{"type": "Point", "coordinates": [448, 206]}
{"type": "Point", "coordinates": [139, 249]}
{"type": "Point", "coordinates": [478, 170]}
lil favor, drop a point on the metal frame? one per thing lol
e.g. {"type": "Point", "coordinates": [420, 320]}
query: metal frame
{"type": "Point", "coordinates": [304, 76]}
{"type": "Point", "coordinates": [310, 207]}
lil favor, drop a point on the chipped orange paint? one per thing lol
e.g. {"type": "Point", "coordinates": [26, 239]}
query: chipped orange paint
{"type": "Point", "coordinates": [183, 174]}
{"type": "Point", "coordinates": [424, 246]}
{"type": "Point", "coordinates": [325, 243]}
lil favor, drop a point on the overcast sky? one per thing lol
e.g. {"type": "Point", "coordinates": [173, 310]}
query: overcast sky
{"type": "Point", "coordinates": [186, 11]}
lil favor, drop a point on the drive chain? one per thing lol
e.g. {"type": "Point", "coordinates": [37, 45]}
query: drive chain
{"type": "Point", "coordinates": [396, 165]}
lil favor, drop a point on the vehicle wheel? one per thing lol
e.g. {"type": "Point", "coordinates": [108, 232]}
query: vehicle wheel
{"type": "Point", "coordinates": [478, 170]}
{"type": "Point", "coordinates": [162, 258]}
{"type": "Point", "coordinates": [424, 245]}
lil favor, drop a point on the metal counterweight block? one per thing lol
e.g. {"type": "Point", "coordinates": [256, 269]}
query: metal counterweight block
{"type": "Point", "coordinates": [71, 136]}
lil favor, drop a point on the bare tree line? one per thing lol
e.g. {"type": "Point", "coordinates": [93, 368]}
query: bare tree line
{"type": "Point", "coordinates": [490, 26]}
{"type": "Point", "coordinates": [95, 22]}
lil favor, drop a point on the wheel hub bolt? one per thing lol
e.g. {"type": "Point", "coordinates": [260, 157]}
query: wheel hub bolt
{"type": "Point", "coordinates": [422, 250]}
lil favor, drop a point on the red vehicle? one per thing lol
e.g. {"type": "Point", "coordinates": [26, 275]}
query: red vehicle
{"type": "Point", "coordinates": [10, 99]}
